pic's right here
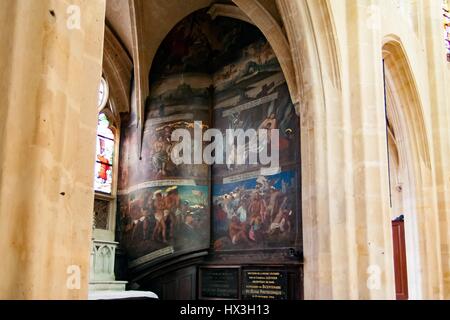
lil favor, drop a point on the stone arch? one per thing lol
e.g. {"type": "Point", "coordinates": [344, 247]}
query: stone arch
{"type": "Point", "coordinates": [275, 36]}
{"type": "Point", "coordinates": [310, 30]}
{"type": "Point", "coordinates": [405, 115]}
{"type": "Point", "coordinates": [311, 37]}
{"type": "Point", "coordinates": [252, 9]}
{"type": "Point", "coordinates": [117, 69]}
{"type": "Point", "coordinates": [399, 70]}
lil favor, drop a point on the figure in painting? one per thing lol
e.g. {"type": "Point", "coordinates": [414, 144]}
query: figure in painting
{"type": "Point", "coordinates": [160, 156]}
{"type": "Point", "coordinates": [149, 218]}
{"type": "Point", "coordinates": [221, 219]}
{"type": "Point", "coordinates": [182, 212]}
{"type": "Point", "coordinates": [160, 227]}
{"type": "Point", "coordinates": [256, 231]}
{"type": "Point", "coordinates": [274, 202]}
{"type": "Point", "coordinates": [257, 207]}
{"type": "Point", "coordinates": [237, 231]}
{"type": "Point", "coordinates": [172, 205]}
{"type": "Point", "coordinates": [281, 222]}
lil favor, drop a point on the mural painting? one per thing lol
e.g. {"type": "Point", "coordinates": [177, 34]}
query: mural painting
{"type": "Point", "coordinates": [175, 104]}
{"type": "Point", "coordinates": [256, 213]}
{"type": "Point", "coordinates": [223, 73]}
{"type": "Point", "coordinates": [155, 218]}
{"type": "Point", "coordinates": [252, 93]}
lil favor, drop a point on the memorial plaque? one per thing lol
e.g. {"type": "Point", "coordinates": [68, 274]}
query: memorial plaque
{"type": "Point", "coordinates": [219, 283]}
{"type": "Point", "coordinates": [265, 285]}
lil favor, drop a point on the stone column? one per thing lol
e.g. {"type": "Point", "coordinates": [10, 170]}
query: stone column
{"type": "Point", "coordinates": [345, 196]}
{"type": "Point", "coordinates": [50, 68]}
{"type": "Point", "coordinates": [369, 167]}
{"type": "Point", "coordinates": [438, 79]}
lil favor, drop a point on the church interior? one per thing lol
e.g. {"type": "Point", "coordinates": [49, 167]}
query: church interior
{"type": "Point", "coordinates": [93, 202]}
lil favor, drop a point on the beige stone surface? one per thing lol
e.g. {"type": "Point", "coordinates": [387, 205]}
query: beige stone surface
{"type": "Point", "coordinates": [49, 79]}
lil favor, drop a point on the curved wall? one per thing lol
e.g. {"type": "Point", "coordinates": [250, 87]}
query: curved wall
{"type": "Point", "coordinates": [223, 73]}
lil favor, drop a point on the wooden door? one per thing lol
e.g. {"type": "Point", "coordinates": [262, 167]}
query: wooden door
{"type": "Point", "coordinates": [401, 277]}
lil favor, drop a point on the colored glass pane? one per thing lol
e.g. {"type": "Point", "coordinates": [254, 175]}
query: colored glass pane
{"type": "Point", "coordinates": [104, 156]}
{"type": "Point", "coordinates": [446, 14]}
{"type": "Point", "coordinates": [103, 128]}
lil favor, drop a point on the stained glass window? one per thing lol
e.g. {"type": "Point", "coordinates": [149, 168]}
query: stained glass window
{"type": "Point", "coordinates": [446, 9]}
{"type": "Point", "coordinates": [105, 155]}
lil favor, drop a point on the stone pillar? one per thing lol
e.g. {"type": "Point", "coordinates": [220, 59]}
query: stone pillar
{"type": "Point", "coordinates": [345, 196]}
{"type": "Point", "coordinates": [371, 223]}
{"type": "Point", "coordinates": [438, 78]}
{"type": "Point", "coordinates": [50, 68]}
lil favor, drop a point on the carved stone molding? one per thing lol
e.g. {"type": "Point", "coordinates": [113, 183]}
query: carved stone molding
{"type": "Point", "coordinates": [117, 69]}
{"type": "Point", "coordinates": [103, 258]}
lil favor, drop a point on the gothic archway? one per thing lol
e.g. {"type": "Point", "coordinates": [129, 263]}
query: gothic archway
{"type": "Point", "coordinates": [405, 116]}
{"type": "Point", "coordinates": [221, 73]}
{"type": "Point", "coordinates": [310, 33]}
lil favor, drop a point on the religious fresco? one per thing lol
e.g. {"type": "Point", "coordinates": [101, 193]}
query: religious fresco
{"type": "Point", "coordinates": [200, 45]}
{"type": "Point", "coordinates": [176, 102]}
{"type": "Point", "coordinates": [156, 218]}
{"type": "Point", "coordinates": [157, 150]}
{"type": "Point", "coordinates": [251, 93]}
{"type": "Point", "coordinates": [164, 208]}
{"type": "Point", "coordinates": [223, 73]}
{"type": "Point", "coordinates": [167, 111]}
{"type": "Point", "coordinates": [253, 210]}
{"type": "Point", "coordinates": [256, 213]}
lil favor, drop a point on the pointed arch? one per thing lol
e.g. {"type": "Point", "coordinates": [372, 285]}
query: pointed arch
{"type": "Point", "coordinates": [402, 81]}
{"type": "Point", "coordinates": [309, 27]}
{"type": "Point", "coordinates": [275, 36]}
{"type": "Point", "coordinates": [309, 40]}
{"type": "Point", "coordinates": [405, 115]}
{"type": "Point", "coordinates": [252, 9]}
{"type": "Point", "coordinates": [117, 69]}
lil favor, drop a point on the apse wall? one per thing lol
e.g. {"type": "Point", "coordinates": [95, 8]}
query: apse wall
{"type": "Point", "coordinates": [223, 73]}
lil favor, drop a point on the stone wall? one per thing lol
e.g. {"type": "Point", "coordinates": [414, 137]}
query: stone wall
{"type": "Point", "coordinates": [49, 73]}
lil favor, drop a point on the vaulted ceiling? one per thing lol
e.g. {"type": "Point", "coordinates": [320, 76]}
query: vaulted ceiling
{"type": "Point", "coordinates": [118, 18]}
{"type": "Point", "coordinates": [141, 26]}
{"type": "Point", "coordinates": [118, 15]}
